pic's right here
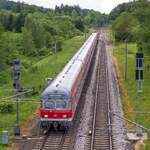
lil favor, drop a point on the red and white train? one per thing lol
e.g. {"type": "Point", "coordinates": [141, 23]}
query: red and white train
{"type": "Point", "coordinates": [60, 99]}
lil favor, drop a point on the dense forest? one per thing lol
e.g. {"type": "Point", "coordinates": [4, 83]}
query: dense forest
{"type": "Point", "coordinates": [131, 22]}
{"type": "Point", "coordinates": [28, 31]}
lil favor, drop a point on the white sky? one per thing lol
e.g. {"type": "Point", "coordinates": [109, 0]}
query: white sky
{"type": "Point", "coordinates": [104, 6]}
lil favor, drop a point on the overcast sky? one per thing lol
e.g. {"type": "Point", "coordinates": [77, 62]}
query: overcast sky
{"type": "Point", "coordinates": [104, 6]}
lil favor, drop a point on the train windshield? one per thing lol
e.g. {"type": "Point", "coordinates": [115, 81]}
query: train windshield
{"type": "Point", "coordinates": [49, 105]}
{"type": "Point", "coordinates": [61, 104]}
{"type": "Point", "coordinates": [56, 102]}
{"type": "Point", "coordinates": [57, 96]}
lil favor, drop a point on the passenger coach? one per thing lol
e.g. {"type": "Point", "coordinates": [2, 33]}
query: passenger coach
{"type": "Point", "coordinates": [59, 100]}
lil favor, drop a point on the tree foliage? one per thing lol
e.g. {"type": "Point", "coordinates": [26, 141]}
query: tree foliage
{"type": "Point", "coordinates": [142, 13]}
{"type": "Point", "coordinates": [124, 7]}
{"type": "Point", "coordinates": [79, 24]}
{"type": "Point", "coordinates": [28, 44]}
{"type": "Point", "coordinates": [133, 23]}
{"type": "Point", "coordinates": [124, 29]}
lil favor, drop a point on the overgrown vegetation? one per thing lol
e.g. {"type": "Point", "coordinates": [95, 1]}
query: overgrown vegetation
{"type": "Point", "coordinates": [131, 22]}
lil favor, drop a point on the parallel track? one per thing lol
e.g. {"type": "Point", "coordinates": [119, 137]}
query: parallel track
{"type": "Point", "coordinates": [101, 128]}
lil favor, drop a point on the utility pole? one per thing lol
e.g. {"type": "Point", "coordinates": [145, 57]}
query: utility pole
{"type": "Point", "coordinates": [139, 78]}
{"type": "Point", "coordinates": [16, 84]}
{"type": "Point", "coordinates": [55, 51]}
{"type": "Point", "coordinates": [85, 36]}
{"type": "Point", "coordinates": [126, 61]}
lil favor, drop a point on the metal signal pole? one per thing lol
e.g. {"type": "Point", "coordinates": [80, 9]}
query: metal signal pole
{"type": "Point", "coordinates": [16, 84]}
{"type": "Point", "coordinates": [55, 56]}
{"type": "Point", "coordinates": [139, 78]}
{"type": "Point", "coordinates": [85, 36]}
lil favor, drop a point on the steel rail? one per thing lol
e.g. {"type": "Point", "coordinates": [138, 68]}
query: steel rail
{"type": "Point", "coordinates": [95, 110]}
{"type": "Point", "coordinates": [109, 108]}
{"type": "Point", "coordinates": [96, 113]}
{"type": "Point", "coordinates": [47, 143]}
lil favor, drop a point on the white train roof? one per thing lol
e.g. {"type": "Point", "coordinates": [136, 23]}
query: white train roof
{"type": "Point", "coordinates": [65, 80]}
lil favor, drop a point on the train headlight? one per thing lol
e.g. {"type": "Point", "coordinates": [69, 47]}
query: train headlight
{"type": "Point", "coordinates": [55, 115]}
{"type": "Point", "coordinates": [45, 116]}
{"type": "Point", "coordinates": [64, 116]}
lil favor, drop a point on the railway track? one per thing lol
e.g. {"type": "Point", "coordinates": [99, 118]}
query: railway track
{"type": "Point", "coordinates": [54, 141]}
{"type": "Point", "coordinates": [101, 138]}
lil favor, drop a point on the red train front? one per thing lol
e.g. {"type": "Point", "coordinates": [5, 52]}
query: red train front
{"type": "Point", "coordinates": [56, 108]}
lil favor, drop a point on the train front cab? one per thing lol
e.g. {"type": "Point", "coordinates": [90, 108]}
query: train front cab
{"type": "Point", "coordinates": [56, 110]}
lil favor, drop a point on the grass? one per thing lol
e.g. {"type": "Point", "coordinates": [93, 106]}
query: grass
{"type": "Point", "coordinates": [130, 86]}
{"type": "Point", "coordinates": [35, 77]}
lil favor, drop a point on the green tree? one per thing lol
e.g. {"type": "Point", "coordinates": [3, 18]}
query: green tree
{"type": "Point", "coordinates": [142, 13]}
{"type": "Point", "coordinates": [74, 13]}
{"type": "Point", "coordinates": [124, 7]}
{"type": "Point", "coordinates": [2, 57]}
{"type": "Point", "coordinates": [37, 30]}
{"type": "Point", "coordinates": [18, 7]}
{"type": "Point", "coordinates": [9, 22]}
{"type": "Point", "coordinates": [19, 22]}
{"type": "Point", "coordinates": [79, 24]}
{"type": "Point", "coordinates": [124, 28]}
{"type": "Point", "coordinates": [28, 44]}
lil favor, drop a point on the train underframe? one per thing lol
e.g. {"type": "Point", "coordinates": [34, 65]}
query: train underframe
{"type": "Point", "coordinates": [56, 125]}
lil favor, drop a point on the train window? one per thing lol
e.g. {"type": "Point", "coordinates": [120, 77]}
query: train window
{"type": "Point", "coordinates": [58, 97]}
{"type": "Point", "coordinates": [49, 105]}
{"type": "Point", "coordinates": [61, 104]}
{"type": "Point", "coordinates": [45, 97]}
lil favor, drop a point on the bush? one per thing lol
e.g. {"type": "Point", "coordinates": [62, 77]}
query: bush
{"type": "Point", "coordinates": [35, 91]}
{"type": "Point", "coordinates": [125, 27]}
{"type": "Point", "coordinates": [7, 107]}
{"type": "Point", "coordinates": [34, 69]}
{"type": "Point", "coordinates": [59, 45]}
{"type": "Point", "coordinates": [43, 51]}
{"type": "Point", "coordinates": [26, 63]}
{"type": "Point", "coordinates": [3, 78]}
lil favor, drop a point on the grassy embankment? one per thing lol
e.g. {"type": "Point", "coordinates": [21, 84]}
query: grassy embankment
{"type": "Point", "coordinates": [35, 76]}
{"type": "Point", "coordinates": [129, 87]}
